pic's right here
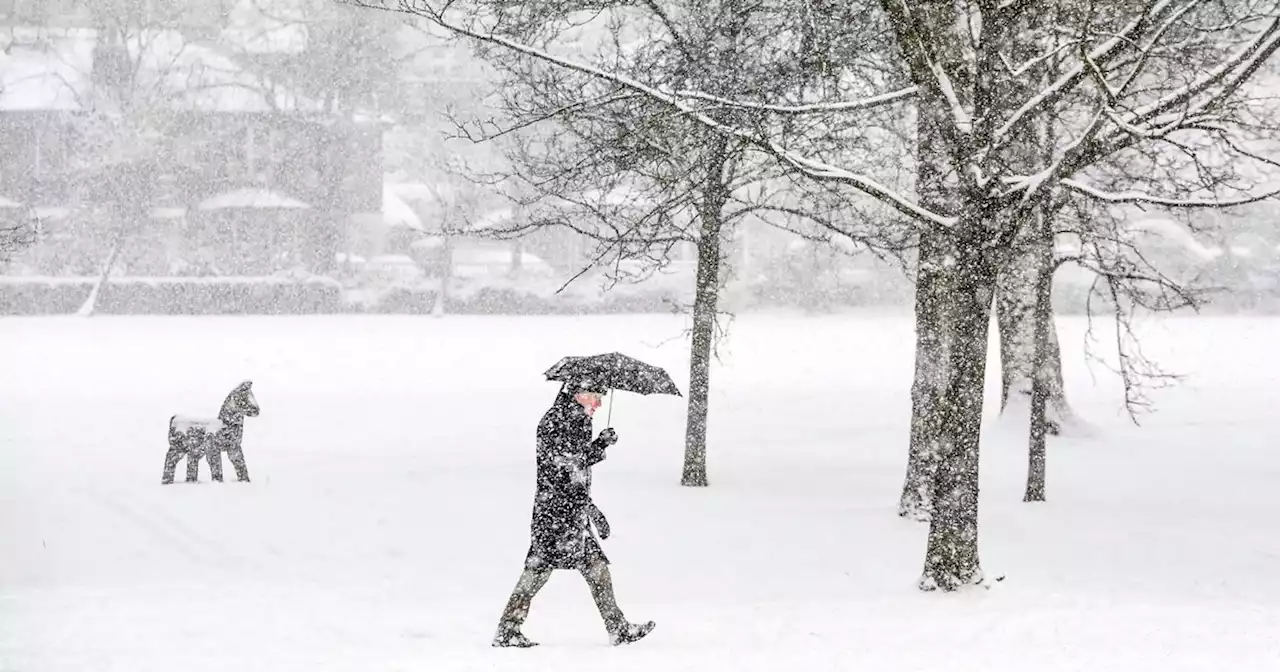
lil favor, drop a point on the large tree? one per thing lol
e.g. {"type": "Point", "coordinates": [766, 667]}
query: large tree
{"type": "Point", "coordinates": [636, 176]}
{"type": "Point", "coordinates": [1123, 87]}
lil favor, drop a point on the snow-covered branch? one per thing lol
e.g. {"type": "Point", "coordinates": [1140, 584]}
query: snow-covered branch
{"type": "Point", "coordinates": [868, 103]}
{"type": "Point", "coordinates": [1078, 72]}
{"type": "Point", "coordinates": [1247, 60]}
{"type": "Point", "coordinates": [826, 172]}
{"type": "Point", "coordinates": [1151, 199]}
{"type": "Point", "coordinates": [811, 167]}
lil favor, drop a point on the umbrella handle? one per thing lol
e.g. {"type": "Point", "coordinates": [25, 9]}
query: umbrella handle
{"type": "Point", "coordinates": [609, 418]}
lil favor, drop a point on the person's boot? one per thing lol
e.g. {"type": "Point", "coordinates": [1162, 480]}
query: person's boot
{"type": "Point", "coordinates": [629, 633]}
{"type": "Point", "coordinates": [509, 635]}
{"type": "Point", "coordinates": [517, 609]}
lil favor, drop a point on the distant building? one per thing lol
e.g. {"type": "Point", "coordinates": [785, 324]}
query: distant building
{"type": "Point", "coordinates": [217, 169]}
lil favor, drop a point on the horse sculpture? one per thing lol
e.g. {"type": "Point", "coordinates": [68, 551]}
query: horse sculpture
{"type": "Point", "coordinates": [209, 437]}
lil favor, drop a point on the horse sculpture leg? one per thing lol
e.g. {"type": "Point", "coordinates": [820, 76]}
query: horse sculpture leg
{"type": "Point", "coordinates": [170, 463]}
{"type": "Point", "coordinates": [194, 453]}
{"type": "Point", "coordinates": [236, 455]}
{"type": "Point", "coordinates": [214, 457]}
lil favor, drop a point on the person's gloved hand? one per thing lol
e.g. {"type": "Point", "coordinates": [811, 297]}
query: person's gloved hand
{"type": "Point", "coordinates": [607, 438]}
{"type": "Point", "coordinates": [601, 523]}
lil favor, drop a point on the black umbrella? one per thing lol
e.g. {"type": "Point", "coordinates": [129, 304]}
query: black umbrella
{"type": "Point", "coordinates": [614, 371]}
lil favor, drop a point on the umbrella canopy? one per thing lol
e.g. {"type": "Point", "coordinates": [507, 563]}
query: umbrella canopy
{"type": "Point", "coordinates": [614, 371]}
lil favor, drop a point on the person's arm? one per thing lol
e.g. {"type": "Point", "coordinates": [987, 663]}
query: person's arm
{"type": "Point", "coordinates": [595, 452]}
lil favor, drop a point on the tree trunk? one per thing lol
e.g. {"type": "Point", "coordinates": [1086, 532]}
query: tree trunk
{"type": "Point", "coordinates": [951, 559]}
{"type": "Point", "coordinates": [446, 273]}
{"type": "Point", "coordinates": [1044, 365]}
{"type": "Point", "coordinates": [1046, 360]}
{"type": "Point", "coordinates": [929, 383]}
{"type": "Point", "coordinates": [694, 472]}
{"type": "Point", "coordinates": [1016, 318]}
{"type": "Point", "coordinates": [932, 291]}
{"type": "Point", "coordinates": [1036, 441]}
{"type": "Point", "coordinates": [706, 298]}
{"type": "Point", "coordinates": [1020, 282]}
{"type": "Point", "coordinates": [91, 302]}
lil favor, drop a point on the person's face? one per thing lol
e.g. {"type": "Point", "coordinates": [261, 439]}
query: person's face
{"type": "Point", "coordinates": [590, 401]}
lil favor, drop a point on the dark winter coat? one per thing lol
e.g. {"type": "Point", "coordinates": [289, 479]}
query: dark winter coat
{"type": "Point", "coordinates": [563, 513]}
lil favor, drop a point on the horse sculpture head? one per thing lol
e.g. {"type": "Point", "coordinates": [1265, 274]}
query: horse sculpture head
{"type": "Point", "coordinates": [240, 402]}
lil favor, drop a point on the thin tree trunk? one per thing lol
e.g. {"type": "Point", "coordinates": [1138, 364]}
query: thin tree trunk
{"type": "Point", "coordinates": [1043, 365]}
{"type": "Point", "coordinates": [706, 297]}
{"type": "Point", "coordinates": [91, 302]}
{"type": "Point", "coordinates": [694, 472]}
{"type": "Point", "coordinates": [951, 559]}
{"type": "Point", "coordinates": [1018, 309]}
{"type": "Point", "coordinates": [1016, 318]}
{"type": "Point", "coordinates": [1040, 389]}
{"type": "Point", "coordinates": [1036, 448]}
{"type": "Point", "coordinates": [446, 273]}
{"type": "Point", "coordinates": [1046, 361]}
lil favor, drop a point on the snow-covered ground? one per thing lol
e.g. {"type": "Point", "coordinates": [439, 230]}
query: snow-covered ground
{"type": "Point", "coordinates": [392, 468]}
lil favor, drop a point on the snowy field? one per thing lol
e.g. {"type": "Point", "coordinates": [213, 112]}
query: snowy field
{"type": "Point", "coordinates": [392, 467]}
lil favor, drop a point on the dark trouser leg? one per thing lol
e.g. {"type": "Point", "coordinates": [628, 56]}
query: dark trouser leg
{"type": "Point", "coordinates": [193, 464]}
{"type": "Point", "coordinates": [170, 465]}
{"type": "Point", "coordinates": [215, 464]}
{"type": "Point", "coordinates": [517, 609]}
{"type": "Point", "coordinates": [236, 455]}
{"type": "Point", "coordinates": [600, 580]}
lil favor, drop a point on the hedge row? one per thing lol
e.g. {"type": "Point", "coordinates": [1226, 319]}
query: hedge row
{"type": "Point", "coordinates": [279, 296]}
{"type": "Point", "coordinates": [282, 296]}
{"type": "Point", "coordinates": [172, 296]}
{"type": "Point", "coordinates": [507, 301]}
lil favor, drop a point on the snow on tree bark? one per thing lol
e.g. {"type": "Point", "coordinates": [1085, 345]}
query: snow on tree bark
{"type": "Point", "coordinates": [1015, 317]}
{"type": "Point", "coordinates": [90, 304]}
{"type": "Point", "coordinates": [1028, 263]}
{"type": "Point", "coordinates": [932, 294]}
{"type": "Point", "coordinates": [1046, 357]}
{"type": "Point", "coordinates": [706, 297]}
{"type": "Point", "coordinates": [916, 501]}
{"type": "Point", "coordinates": [1044, 361]}
{"type": "Point", "coordinates": [1036, 449]}
{"type": "Point", "coordinates": [129, 192]}
{"type": "Point", "coordinates": [694, 470]}
{"type": "Point", "coordinates": [951, 557]}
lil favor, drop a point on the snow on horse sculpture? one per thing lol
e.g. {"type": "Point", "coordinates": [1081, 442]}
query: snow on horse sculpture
{"type": "Point", "coordinates": [209, 437]}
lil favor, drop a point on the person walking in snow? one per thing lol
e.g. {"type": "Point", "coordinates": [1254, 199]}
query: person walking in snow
{"type": "Point", "coordinates": [562, 534]}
